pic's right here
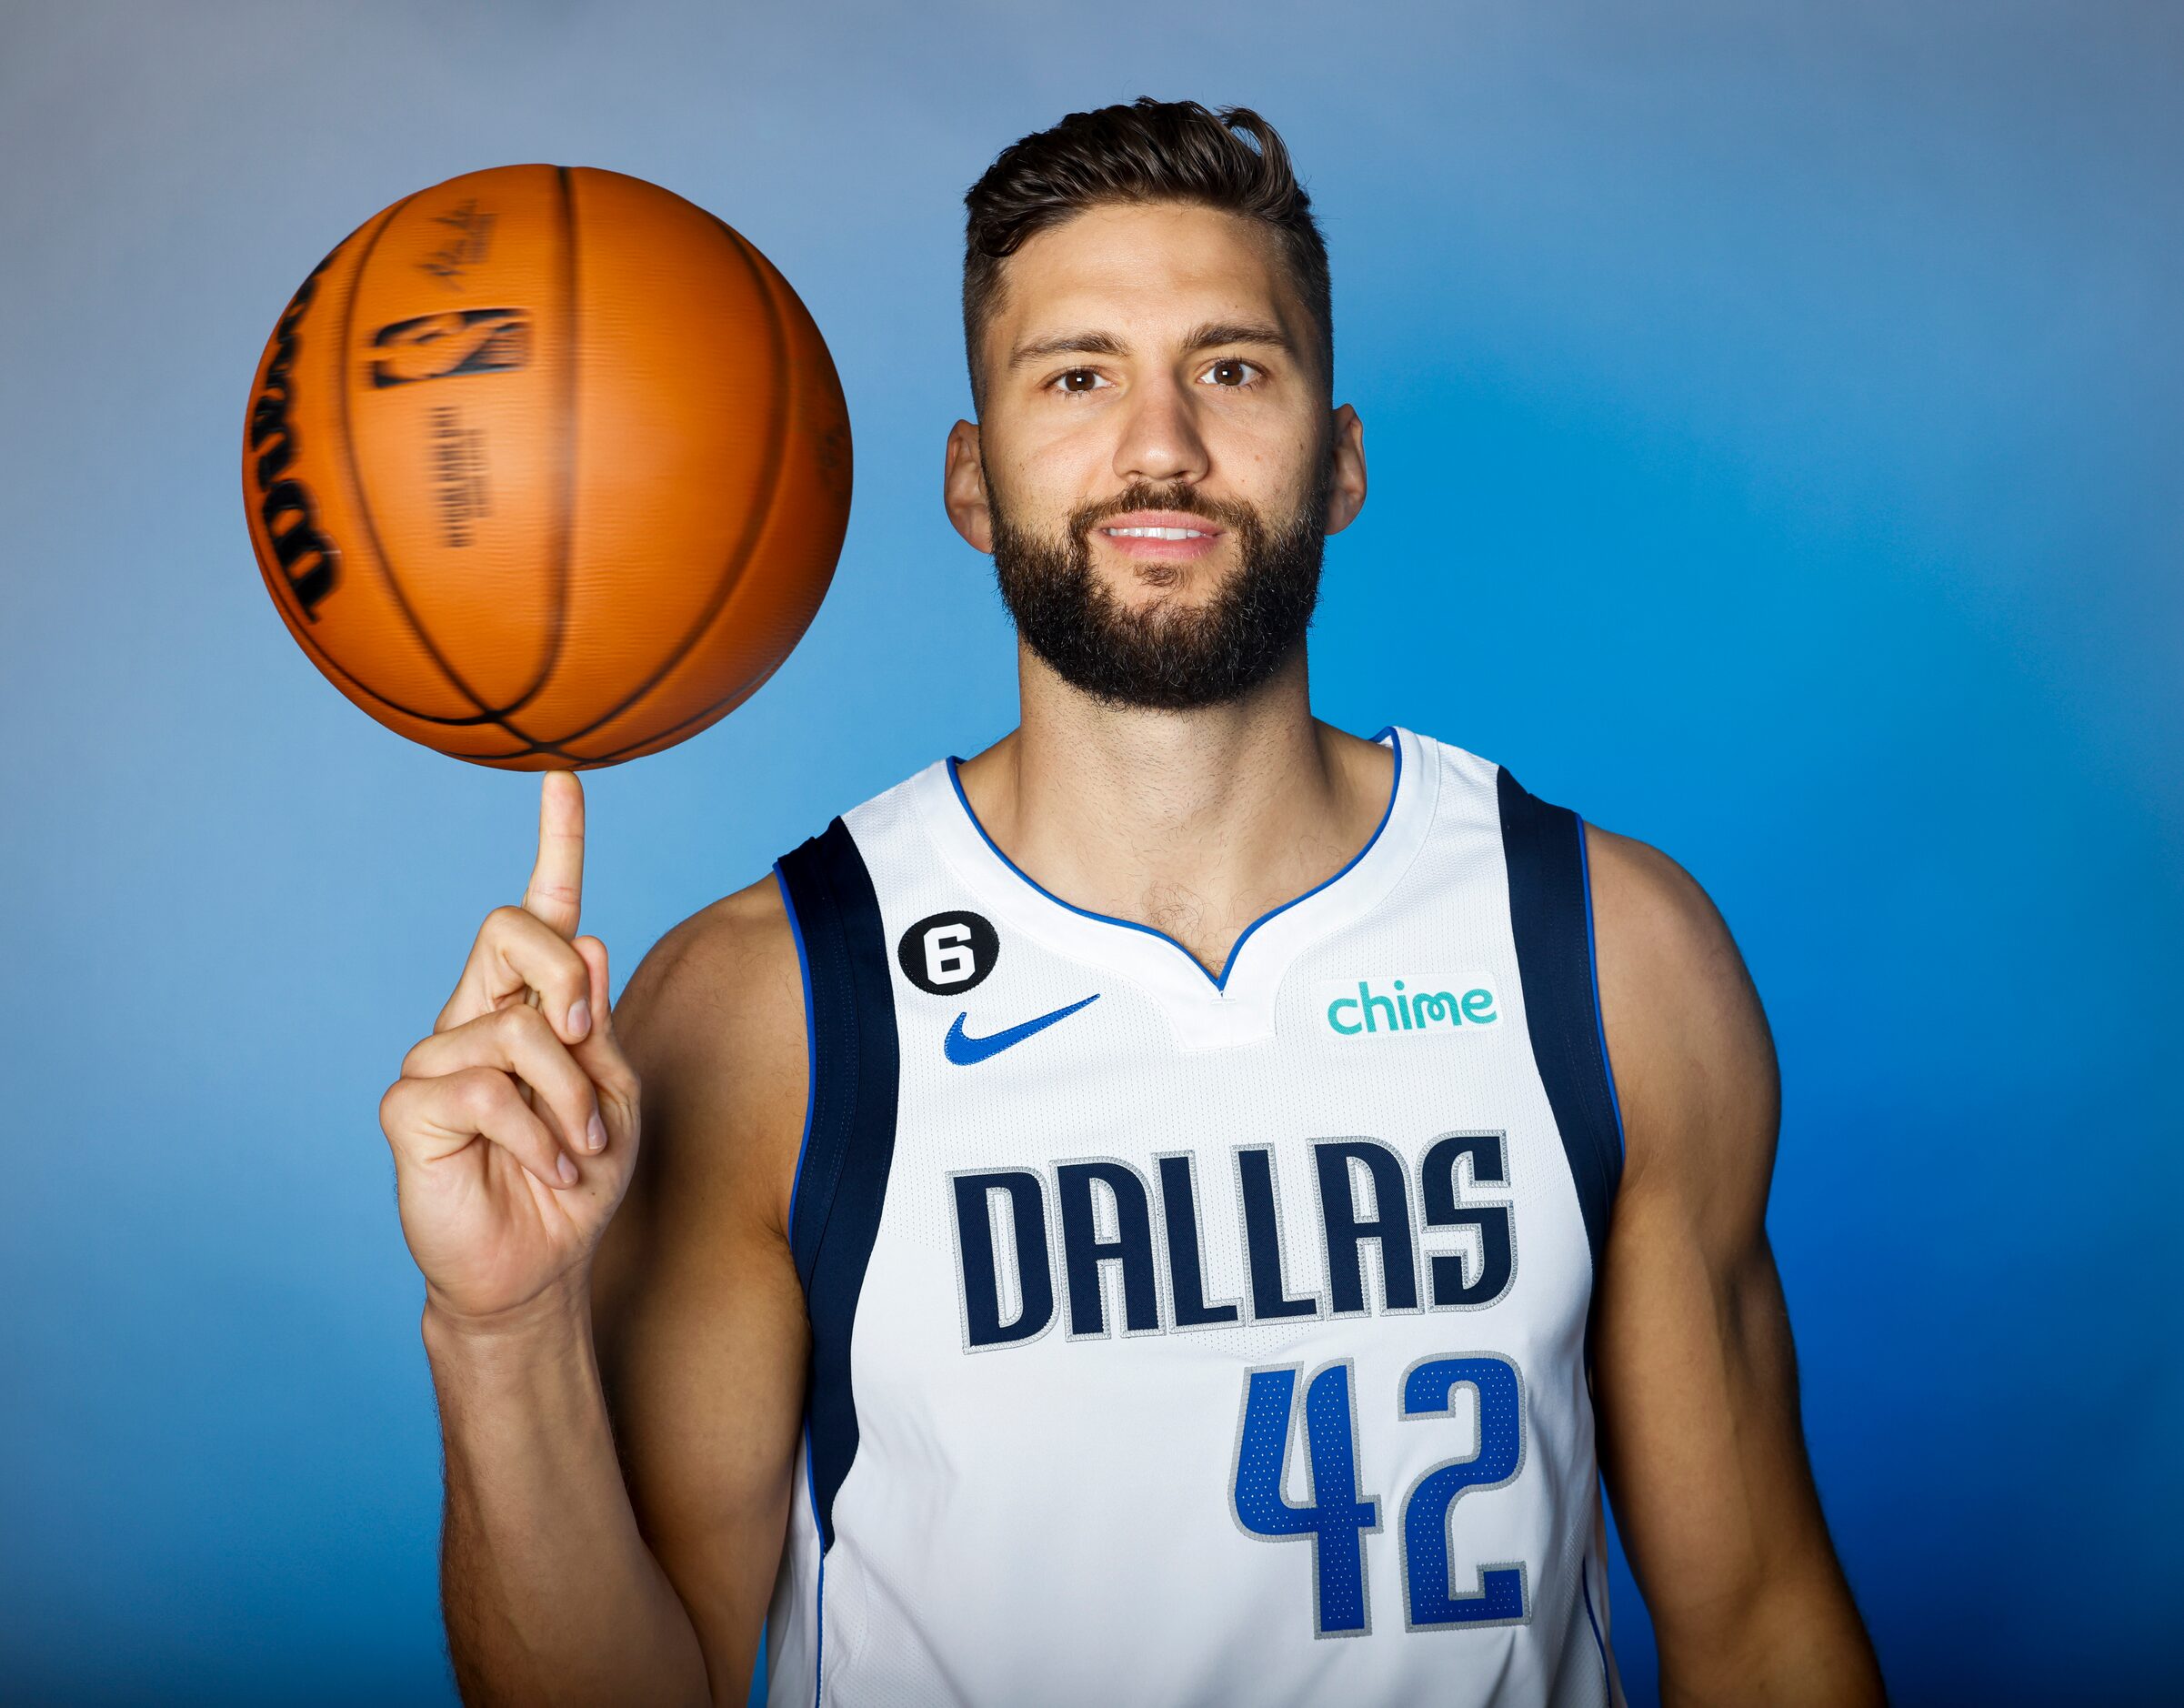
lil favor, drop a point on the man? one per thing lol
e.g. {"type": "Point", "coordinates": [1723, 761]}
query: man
{"type": "Point", "coordinates": [1148, 1213]}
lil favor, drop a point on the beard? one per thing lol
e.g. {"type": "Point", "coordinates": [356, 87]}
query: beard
{"type": "Point", "coordinates": [1165, 657]}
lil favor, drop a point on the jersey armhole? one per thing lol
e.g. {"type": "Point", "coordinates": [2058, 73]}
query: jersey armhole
{"type": "Point", "coordinates": [811, 1047]}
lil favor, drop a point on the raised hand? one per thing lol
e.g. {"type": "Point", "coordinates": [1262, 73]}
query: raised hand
{"type": "Point", "coordinates": [515, 1125]}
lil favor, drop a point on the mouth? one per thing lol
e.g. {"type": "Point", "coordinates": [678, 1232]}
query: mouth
{"type": "Point", "coordinates": [1160, 535]}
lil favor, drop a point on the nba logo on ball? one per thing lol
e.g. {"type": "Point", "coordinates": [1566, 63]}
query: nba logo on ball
{"type": "Point", "coordinates": [546, 468]}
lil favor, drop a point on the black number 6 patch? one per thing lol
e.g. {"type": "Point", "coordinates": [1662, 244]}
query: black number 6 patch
{"type": "Point", "coordinates": [946, 953]}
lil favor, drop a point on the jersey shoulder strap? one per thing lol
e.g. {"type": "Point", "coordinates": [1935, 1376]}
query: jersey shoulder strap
{"type": "Point", "coordinates": [848, 1144]}
{"type": "Point", "coordinates": [1550, 917]}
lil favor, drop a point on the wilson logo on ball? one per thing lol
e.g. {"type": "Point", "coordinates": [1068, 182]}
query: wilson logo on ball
{"type": "Point", "coordinates": [308, 561]}
{"type": "Point", "coordinates": [440, 346]}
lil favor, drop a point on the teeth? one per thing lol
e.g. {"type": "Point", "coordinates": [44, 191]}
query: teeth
{"type": "Point", "coordinates": [1154, 533]}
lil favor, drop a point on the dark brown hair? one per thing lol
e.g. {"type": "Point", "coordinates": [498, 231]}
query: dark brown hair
{"type": "Point", "coordinates": [1150, 151]}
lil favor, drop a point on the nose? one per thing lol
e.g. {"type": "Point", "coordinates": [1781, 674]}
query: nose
{"type": "Point", "coordinates": [1160, 440]}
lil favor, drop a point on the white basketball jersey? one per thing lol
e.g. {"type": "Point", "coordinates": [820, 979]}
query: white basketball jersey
{"type": "Point", "coordinates": [1183, 1338]}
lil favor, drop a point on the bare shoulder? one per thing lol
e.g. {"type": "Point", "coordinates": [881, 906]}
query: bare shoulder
{"type": "Point", "coordinates": [713, 1022]}
{"type": "Point", "coordinates": [698, 968]}
{"type": "Point", "coordinates": [1687, 1039]}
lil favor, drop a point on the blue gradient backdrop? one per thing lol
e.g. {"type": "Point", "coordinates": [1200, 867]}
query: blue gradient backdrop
{"type": "Point", "coordinates": [1774, 423]}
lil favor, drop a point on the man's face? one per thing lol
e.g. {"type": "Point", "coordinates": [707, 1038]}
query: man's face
{"type": "Point", "coordinates": [1155, 466]}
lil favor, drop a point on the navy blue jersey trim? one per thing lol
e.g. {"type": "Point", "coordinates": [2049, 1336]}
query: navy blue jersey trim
{"type": "Point", "coordinates": [1592, 961]}
{"type": "Point", "coordinates": [850, 1127]}
{"type": "Point", "coordinates": [811, 1042]}
{"type": "Point", "coordinates": [1550, 915]}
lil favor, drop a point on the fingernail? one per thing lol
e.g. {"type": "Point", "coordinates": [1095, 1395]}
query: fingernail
{"type": "Point", "coordinates": [567, 1169]}
{"type": "Point", "coordinates": [580, 1017]}
{"type": "Point", "coordinates": [597, 1133]}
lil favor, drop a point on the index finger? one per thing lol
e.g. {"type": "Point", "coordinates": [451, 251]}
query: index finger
{"type": "Point", "coordinates": [555, 892]}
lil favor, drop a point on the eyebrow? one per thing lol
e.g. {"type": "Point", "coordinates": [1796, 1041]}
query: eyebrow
{"type": "Point", "coordinates": [1213, 333]}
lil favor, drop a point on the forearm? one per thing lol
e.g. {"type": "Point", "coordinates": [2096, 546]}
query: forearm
{"type": "Point", "coordinates": [1780, 1628]}
{"type": "Point", "coordinates": [1750, 1605]}
{"type": "Point", "coordinates": [549, 1591]}
{"type": "Point", "coordinates": [1792, 1642]}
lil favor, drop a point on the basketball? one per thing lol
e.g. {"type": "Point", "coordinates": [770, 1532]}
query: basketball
{"type": "Point", "coordinates": [546, 468]}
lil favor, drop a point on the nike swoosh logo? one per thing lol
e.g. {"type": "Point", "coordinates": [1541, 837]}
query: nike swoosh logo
{"type": "Point", "coordinates": [963, 1050]}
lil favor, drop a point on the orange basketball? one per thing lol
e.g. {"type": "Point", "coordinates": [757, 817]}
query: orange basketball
{"type": "Point", "coordinates": [546, 468]}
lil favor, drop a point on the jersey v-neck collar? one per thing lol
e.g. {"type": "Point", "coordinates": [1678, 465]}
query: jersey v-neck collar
{"type": "Point", "coordinates": [1206, 1010]}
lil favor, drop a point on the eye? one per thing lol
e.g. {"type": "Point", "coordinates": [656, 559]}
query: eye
{"type": "Point", "coordinates": [1078, 380]}
{"type": "Point", "coordinates": [1232, 372]}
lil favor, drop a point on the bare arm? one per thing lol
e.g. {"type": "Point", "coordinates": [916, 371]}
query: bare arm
{"type": "Point", "coordinates": [1694, 1369]}
{"type": "Point", "coordinates": [702, 1327]}
{"type": "Point", "coordinates": [557, 1586]}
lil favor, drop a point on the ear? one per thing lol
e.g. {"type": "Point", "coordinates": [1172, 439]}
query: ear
{"type": "Point", "coordinates": [1345, 495]}
{"type": "Point", "coordinates": [963, 486]}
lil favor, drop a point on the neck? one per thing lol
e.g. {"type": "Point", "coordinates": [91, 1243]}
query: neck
{"type": "Point", "coordinates": [1194, 823]}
